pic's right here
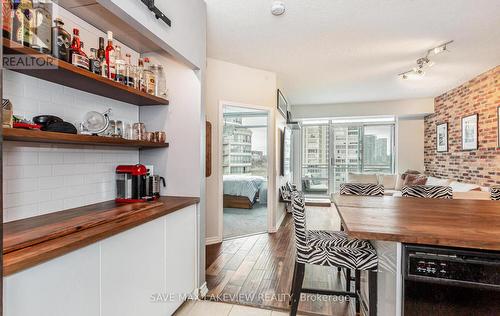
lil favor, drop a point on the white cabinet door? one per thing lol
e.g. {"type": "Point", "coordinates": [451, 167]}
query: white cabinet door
{"type": "Point", "coordinates": [181, 248]}
{"type": "Point", "coordinates": [132, 271]}
{"type": "Point", "coordinates": [67, 285]}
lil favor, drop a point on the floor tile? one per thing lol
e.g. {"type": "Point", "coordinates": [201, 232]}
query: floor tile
{"type": "Point", "coordinates": [204, 308]}
{"type": "Point", "coordinates": [239, 310]}
{"type": "Point", "coordinates": [185, 308]}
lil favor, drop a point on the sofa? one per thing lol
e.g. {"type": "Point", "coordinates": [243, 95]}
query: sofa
{"type": "Point", "coordinates": [393, 183]}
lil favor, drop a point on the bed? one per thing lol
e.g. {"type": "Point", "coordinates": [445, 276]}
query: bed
{"type": "Point", "coordinates": [242, 191]}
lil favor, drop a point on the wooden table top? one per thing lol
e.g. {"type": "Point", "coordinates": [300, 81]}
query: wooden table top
{"type": "Point", "coordinates": [34, 240]}
{"type": "Point", "coordinates": [454, 223]}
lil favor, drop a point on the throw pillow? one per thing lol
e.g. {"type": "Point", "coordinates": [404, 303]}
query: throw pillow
{"type": "Point", "coordinates": [415, 179]}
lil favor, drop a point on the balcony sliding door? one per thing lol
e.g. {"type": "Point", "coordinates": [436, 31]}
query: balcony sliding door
{"type": "Point", "coordinates": [332, 150]}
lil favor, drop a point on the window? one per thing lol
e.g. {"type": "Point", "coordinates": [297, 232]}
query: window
{"type": "Point", "coordinates": [331, 151]}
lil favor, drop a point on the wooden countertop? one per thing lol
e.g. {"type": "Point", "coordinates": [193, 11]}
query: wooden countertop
{"type": "Point", "coordinates": [34, 240]}
{"type": "Point", "coordinates": [453, 223]}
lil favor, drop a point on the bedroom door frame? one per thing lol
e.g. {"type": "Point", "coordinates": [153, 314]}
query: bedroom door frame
{"type": "Point", "coordinates": [270, 162]}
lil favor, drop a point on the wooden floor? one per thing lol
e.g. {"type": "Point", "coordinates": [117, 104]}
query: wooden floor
{"type": "Point", "coordinates": [257, 270]}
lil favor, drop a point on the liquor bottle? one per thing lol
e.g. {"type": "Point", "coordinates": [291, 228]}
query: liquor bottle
{"type": "Point", "coordinates": [42, 19]}
{"type": "Point", "coordinates": [121, 65]}
{"type": "Point", "coordinates": [110, 58]}
{"type": "Point", "coordinates": [77, 55]}
{"type": "Point", "coordinates": [161, 82]}
{"type": "Point", "coordinates": [23, 21]}
{"type": "Point", "coordinates": [60, 41]}
{"type": "Point", "coordinates": [130, 72]}
{"type": "Point", "coordinates": [139, 76]}
{"type": "Point", "coordinates": [7, 11]}
{"type": "Point", "coordinates": [95, 62]}
{"type": "Point", "coordinates": [101, 53]}
{"type": "Point", "coordinates": [149, 78]}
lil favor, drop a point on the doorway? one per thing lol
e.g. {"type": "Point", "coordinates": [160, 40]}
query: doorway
{"type": "Point", "coordinates": [244, 149]}
{"type": "Point", "coordinates": [332, 149]}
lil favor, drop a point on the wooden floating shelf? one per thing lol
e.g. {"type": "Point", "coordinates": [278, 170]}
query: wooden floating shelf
{"type": "Point", "coordinates": [71, 76]}
{"type": "Point", "coordinates": [24, 135]}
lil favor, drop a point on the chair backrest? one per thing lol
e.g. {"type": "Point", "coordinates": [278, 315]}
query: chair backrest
{"type": "Point", "coordinates": [299, 222]}
{"type": "Point", "coordinates": [362, 189]}
{"type": "Point", "coordinates": [285, 193]}
{"type": "Point", "coordinates": [495, 193]}
{"type": "Point", "coordinates": [427, 191]}
{"type": "Point", "coordinates": [291, 187]}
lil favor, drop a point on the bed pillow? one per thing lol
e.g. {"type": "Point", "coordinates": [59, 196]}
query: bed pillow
{"type": "Point", "coordinates": [362, 178]}
{"type": "Point", "coordinates": [463, 187]}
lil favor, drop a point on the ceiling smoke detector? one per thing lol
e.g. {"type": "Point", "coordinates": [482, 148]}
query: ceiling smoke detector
{"type": "Point", "coordinates": [278, 8]}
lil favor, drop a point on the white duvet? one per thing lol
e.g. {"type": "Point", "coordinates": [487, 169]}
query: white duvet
{"type": "Point", "coordinates": [240, 185]}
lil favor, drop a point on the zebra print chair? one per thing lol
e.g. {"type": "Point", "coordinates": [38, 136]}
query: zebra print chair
{"type": "Point", "coordinates": [331, 249]}
{"type": "Point", "coordinates": [364, 189]}
{"type": "Point", "coordinates": [286, 195]}
{"type": "Point", "coordinates": [495, 193]}
{"type": "Point", "coordinates": [427, 191]}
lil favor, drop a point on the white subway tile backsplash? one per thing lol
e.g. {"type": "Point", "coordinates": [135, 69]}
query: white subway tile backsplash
{"type": "Point", "coordinates": [50, 158]}
{"type": "Point", "coordinates": [21, 185]}
{"type": "Point", "coordinates": [51, 182]}
{"type": "Point", "coordinates": [44, 178]}
{"type": "Point", "coordinates": [36, 171]}
{"type": "Point", "coordinates": [19, 158]}
{"type": "Point", "coordinates": [50, 206]}
{"type": "Point", "coordinates": [12, 172]}
{"type": "Point", "coordinates": [20, 212]}
{"type": "Point", "coordinates": [73, 202]}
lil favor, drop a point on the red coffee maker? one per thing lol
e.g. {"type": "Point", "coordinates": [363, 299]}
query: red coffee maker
{"type": "Point", "coordinates": [131, 184]}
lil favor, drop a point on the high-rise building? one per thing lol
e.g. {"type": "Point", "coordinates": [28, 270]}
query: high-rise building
{"type": "Point", "coordinates": [315, 154]}
{"type": "Point", "coordinates": [237, 147]}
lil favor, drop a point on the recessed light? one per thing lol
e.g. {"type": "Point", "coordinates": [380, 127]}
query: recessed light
{"type": "Point", "coordinates": [278, 8]}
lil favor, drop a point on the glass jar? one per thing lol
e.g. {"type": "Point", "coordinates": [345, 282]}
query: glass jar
{"type": "Point", "coordinates": [118, 129]}
{"type": "Point", "coordinates": [149, 137]}
{"type": "Point", "coordinates": [139, 131]}
{"type": "Point", "coordinates": [160, 137]}
{"type": "Point", "coordinates": [161, 82]}
{"type": "Point", "coordinates": [128, 131]}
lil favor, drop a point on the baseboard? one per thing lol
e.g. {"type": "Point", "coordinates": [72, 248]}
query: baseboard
{"type": "Point", "coordinates": [212, 240]}
{"type": "Point", "coordinates": [278, 223]}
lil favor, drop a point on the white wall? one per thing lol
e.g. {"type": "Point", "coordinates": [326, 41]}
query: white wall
{"type": "Point", "coordinates": [185, 39]}
{"type": "Point", "coordinates": [234, 83]}
{"type": "Point", "coordinates": [410, 144]}
{"type": "Point", "coordinates": [179, 164]}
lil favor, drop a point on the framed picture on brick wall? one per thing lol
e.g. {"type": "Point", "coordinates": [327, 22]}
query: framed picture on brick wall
{"type": "Point", "coordinates": [442, 137]}
{"type": "Point", "coordinates": [469, 132]}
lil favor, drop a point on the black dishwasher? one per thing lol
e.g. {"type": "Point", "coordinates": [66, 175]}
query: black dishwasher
{"type": "Point", "coordinates": [450, 281]}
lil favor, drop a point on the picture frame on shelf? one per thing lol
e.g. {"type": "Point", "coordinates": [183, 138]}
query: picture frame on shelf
{"type": "Point", "coordinates": [470, 132]}
{"type": "Point", "coordinates": [282, 104]}
{"type": "Point", "coordinates": [442, 137]}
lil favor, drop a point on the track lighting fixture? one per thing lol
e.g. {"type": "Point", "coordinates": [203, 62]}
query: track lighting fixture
{"type": "Point", "coordinates": [424, 62]}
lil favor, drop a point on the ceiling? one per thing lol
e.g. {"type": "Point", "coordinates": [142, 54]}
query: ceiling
{"type": "Point", "coordinates": [336, 51]}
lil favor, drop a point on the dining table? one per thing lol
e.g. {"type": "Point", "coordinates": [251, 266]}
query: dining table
{"type": "Point", "coordinates": [390, 223]}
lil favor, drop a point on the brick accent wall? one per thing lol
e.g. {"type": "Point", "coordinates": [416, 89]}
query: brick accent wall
{"type": "Point", "coordinates": [480, 95]}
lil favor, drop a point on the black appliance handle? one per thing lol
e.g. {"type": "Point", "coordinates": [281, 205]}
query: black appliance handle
{"type": "Point", "coordinates": [163, 181]}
